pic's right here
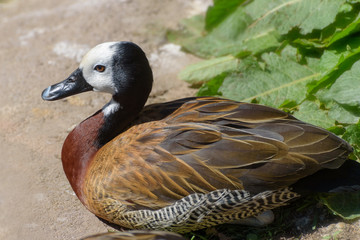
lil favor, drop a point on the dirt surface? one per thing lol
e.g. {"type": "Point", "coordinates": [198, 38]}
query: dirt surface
{"type": "Point", "coordinates": [42, 42]}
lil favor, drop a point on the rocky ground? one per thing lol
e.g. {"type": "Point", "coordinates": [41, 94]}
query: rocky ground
{"type": "Point", "coordinates": [42, 41]}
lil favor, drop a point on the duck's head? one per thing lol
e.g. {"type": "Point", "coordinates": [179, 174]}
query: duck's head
{"type": "Point", "coordinates": [118, 68]}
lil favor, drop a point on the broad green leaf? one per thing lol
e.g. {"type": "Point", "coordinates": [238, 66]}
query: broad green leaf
{"type": "Point", "coordinates": [289, 52]}
{"type": "Point", "coordinates": [191, 29]}
{"type": "Point", "coordinates": [314, 64]}
{"type": "Point", "coordinates": [311, 113]}
{"type": "Point", "coordinates": [211, 88]}
{"type": "Point", "coordinates": [227, 38]}
{"type": "Point", "coordinates": [345, 24]}
{"type": "Point", "coordinates": [222, 40]}
{"type": "Point", "coordinates": [282, 80]}
{"type": "Point", "coordinates": [260, 43]}
{"type": "Point", "coordinates": [344, 61]}
{"type": "Point", "coordinates": [203, 71]}
{"type": "Point", "coordinates": [347, 30]}
{"type": "Point", "coordinates": [231, 28]}
{"type": "Point", "coordinates": [345, 91]}
{"type": "Point", "coordinates": [329, 60]}
{"type": "Point", "coordinates": [346, 205]}
{"type": "Point", "coordinates": [352, 135]}
{"type": "Point", "coordinates": [341, 114]}
{"type": "Point", "coordinates": [220, 11]}
{"type": "Point", "coordinates": [288, 105]}
{"type": "Point", "coordinates": [337, 129]}
{"type": "Point", "coordinates": [284, 15]}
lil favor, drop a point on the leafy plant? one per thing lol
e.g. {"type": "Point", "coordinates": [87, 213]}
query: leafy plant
{"type": "Point", "coordinates": [297, 55]}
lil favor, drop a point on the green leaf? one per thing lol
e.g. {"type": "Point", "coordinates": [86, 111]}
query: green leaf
{"type": "Point", "coordinates": [346, 205]}
{"type": "Point", "coordinates": [345, 32]}
{"type": "Point", "coordinates": [352, 135]}
{"type": "Point", "coordinates": [342, 98]}
{"type": "Point", "coordinates": [220, 11]}
{"type": "Point", "coordinates": [341, 114]}
{"type": "Point", "coordinates": [211, 88]}
{"type": "Point", "coordinates": [288, 105]}
{"type": "Point", "coordinates": [282, 80]}
{"type": "Point", "coordinates": [311, 113]}
{"type": "Point", "coordinates": [345, 91]}
{"type": "Point", "coordinates": [337, 129]}
{"type": "Point", "coordinates": [190, 30]}
{"type": "Point", "coordinates": [227, 38]}
{"type": "Point", "coordinates": [329, 60]}
{"type": "Point", "coordinates": [203, 71]}
{"type": "Point", "coordinates": [344, 61]}
{"type": "Point", "coordinates": [257, 44]}
{"type": "Point", "coordinates": [284, 15]}
{"type": "Point", "coordinates": [345, 24]}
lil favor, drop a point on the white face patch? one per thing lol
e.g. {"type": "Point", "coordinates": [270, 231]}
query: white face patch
{"type": "Point", "coordinates": [101, 55]}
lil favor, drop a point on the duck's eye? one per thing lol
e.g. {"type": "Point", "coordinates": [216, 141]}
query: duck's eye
{"type": "Point", "coordinates": [99, 68]}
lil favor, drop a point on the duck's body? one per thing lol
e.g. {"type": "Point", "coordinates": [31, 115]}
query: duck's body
{"type": "Point", "coordinates": [186, 164]}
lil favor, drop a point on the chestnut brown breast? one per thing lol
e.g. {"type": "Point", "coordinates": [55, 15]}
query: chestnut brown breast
{"type": "Point", "coordinates": [78, 150]}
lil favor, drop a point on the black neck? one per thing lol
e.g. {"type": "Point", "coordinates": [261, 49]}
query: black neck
{"type": "Point", "coordinates": [118, 121]}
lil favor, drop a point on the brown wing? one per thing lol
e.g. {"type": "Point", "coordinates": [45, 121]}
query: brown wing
{"type": "Point", "coordinates": [209, 144]}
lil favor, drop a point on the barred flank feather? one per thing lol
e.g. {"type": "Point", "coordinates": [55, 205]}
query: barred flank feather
{"type": "Point", "coordinates": [136, 235]}
{"type": "Point", "coordinates": [197, 211]}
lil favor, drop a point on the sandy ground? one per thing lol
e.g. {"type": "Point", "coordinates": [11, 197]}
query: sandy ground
{"type": "Point", "coordinates": [41, 42]}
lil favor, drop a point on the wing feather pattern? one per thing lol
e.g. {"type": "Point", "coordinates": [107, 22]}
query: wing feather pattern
{"type": "Point", "coordinates": [203, 144]}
